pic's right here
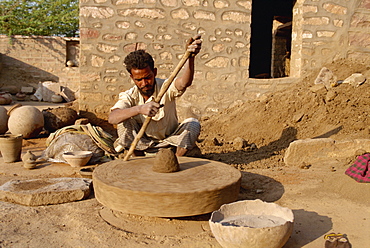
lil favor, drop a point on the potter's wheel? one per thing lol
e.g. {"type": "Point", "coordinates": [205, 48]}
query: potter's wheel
{"type": "Point", "coordinates": [201, 186]}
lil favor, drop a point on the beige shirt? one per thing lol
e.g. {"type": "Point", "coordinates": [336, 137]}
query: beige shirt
{"type": "Point", "coordinates": [165, 121]}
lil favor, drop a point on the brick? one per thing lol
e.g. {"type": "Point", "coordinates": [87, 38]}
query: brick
{"type": "Point", "coordinates": [316, 21]}
{"type": "Point", "coordinates": [190, 3]}
{"type": "Point", "coordinates": [112, 37]}
{"type": "Point", "coordinates": [245, 4]}
{"type": "Point", "coordinates": [97, 12]}
{"type": "Point", "coordinates": [105, 48]}
{"type": "Point", "coordinates": [143, 13]}
{"type": "Point", "coordinates": [335, 9]}
{"type": "Point", "coordinates": [169, 3]}
{"type": "Point", "coordinates": [309, 8]}
{"type": "Point", "coordinates": [236, 16]}
{"type": "Point", "coordinates": [204, 15]}
{"type": "Point", "coordinates": [359, 39]}
{"type": "Point", "coordinates": [180, 14]}
{"type": "Point", "coordinates": [97, 61]}
{"type": "Point", "coordinates": [365, 4]}
{"type": "Point", "coordinates": [218, 62]}
{"type": "Point", "coordinates": [119, 2]}
{"type": "Point", "coordinates": [360, 20]}
{"type": "Point", "coordinates": [220, 4]}
{"type": "Point", "coordinates": [328, 34]}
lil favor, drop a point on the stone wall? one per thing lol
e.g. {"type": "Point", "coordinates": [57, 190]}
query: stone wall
{"type": "Point", "coordinates": [112, 29]}
{"type": "Point", "coordinates": [26, 61]}
{"type": "Point", "coordinates": [322, 31]}
{"type": "Point", "coordinates": [330, 30]}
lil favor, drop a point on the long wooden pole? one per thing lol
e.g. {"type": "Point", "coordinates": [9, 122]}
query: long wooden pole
{"type": "Point", "coordinates": [163, 90]}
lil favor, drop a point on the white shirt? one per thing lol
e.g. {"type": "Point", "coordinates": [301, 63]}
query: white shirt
{"type": "Point", "coordinates": [165, 121]}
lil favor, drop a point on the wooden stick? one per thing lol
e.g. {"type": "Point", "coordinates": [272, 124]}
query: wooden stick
{"type": "Point", "coordinates": [163, 90]}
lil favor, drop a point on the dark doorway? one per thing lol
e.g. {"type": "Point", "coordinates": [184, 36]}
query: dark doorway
{"type": "Point", "coordinates": [270, 38]}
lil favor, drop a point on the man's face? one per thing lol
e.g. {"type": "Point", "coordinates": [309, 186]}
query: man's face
{"type": "Point", "coordinates": [144, 80]}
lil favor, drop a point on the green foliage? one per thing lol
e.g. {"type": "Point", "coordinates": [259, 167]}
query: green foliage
{"type": "Point", "coordinates": [39, 17]}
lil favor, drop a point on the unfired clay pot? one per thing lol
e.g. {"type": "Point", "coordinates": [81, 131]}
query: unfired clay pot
{"type": "Point", "coordinates": [252, 224]}
{"type": "Point", "coordinates": [3, 120]}
{"type": "Point", "coordinates": [5, 98]}
{"type": "Point", "coordinates": [25, 120]}
{"type": "Point", "coordinates": [11, 147]}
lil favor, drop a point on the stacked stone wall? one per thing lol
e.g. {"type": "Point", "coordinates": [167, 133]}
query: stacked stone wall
{"type": "Point", "coordinates": [26, 61]}
{"type": "Point", "coordinates": [112, 29]}
{"type": "Point", "coordinates": [322, 31]}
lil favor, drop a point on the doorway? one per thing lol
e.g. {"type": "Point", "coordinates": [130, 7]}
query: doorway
{"type": "Point", "coordinates": [270, 45]}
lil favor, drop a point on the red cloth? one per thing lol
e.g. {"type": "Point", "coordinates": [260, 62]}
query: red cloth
{"type": "Point", "coordinates": [360, 170]}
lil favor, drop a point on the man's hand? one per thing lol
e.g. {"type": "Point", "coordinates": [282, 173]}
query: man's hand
{"type": "Point", "coordinates": [149, 109]}
{"type": "Point", "coordinates": [194, 45]}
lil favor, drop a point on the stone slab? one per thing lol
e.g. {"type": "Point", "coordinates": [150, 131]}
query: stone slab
{"type": "Point", "coordinates": [201, 186]}
{"type": "Point", "coordinates": [46, 191]}
{"type": "Point", "coordinates": [323, 150]}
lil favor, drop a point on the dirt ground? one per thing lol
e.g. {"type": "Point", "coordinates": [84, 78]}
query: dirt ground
{"type": "Point", "coordinates": [323, 198]}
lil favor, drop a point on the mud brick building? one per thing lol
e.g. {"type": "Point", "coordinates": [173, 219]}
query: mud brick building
{"type": "Point", "coordinates": [250, 47]}
{"type": "Point", "coordinates": [27, 60]}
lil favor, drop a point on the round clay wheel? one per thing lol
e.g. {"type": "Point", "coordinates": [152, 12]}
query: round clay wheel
{"type": "Point", "coordinates": [201, 186]}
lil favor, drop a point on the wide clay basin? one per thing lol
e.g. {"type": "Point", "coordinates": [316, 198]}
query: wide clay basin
{"type": "Point", "coordinates": [252, 224]}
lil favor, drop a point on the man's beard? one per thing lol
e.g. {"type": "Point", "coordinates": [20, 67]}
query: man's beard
{"type": "Point", "coordinates": [147, 92]}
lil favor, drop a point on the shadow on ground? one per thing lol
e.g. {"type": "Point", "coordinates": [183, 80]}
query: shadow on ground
{"type": "Point", "coordinates": [255, 186]}
{"type": "Point", "coordinates": [308, 226]}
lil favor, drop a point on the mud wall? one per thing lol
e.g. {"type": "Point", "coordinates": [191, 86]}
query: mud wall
{"type": "Point", "coordinates": [26, 61]}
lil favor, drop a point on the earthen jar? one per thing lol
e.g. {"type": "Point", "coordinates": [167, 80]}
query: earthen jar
{"type": "Point", "coordinates": [3, 120]}
{"type": "Point", "coordinates": [11, 147]}
{"type": "Point", "coordinates": [5, 98]}
{"type": "Point", "coordinates": [25, 120]}
{"type": "Point", "coordinates": [29, 156]}
{"type": "Point", "coordinates": [20, 96]}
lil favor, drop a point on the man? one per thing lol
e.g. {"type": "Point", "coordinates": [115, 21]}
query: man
{"type": "Point", "coordinates": [135, 104]}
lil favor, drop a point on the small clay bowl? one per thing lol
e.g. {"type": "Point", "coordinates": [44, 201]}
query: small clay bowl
{"type": "Point", "coordinates": [77, 158]}
{"type": "Point", "coordinates": [87, 172]}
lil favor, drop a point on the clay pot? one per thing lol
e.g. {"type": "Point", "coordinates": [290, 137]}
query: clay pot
{"type": "Point", "coordinates": [12, 89]}
{"type": "Point", "coordinates": [11, 147]}
{"type": "Point", "coordinates": [25, 120]}
{"type": "Point", "coordinates": [5, 98]}
{"type": "Point", "coordinates": [3, 120]}
{"type": "Point", "coordinates": [20, 96]}
{"type": "Point", "coordinates": [253, 224]}
{"type": "Point", "coordinates": [30, 164]}
{"type": "Point", "coordinates": [77, 158]}
{"type": "Point", "coordinates": [29, 156]}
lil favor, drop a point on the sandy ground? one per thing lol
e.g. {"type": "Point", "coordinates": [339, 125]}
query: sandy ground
{"type": "Point", "coordinates": [322, 200]}
{"type": "Point", "coordinates": [322, 197]}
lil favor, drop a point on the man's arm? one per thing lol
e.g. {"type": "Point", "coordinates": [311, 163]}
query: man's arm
{"type": "Point", "coordinates": [186, 79]}
{"type": "Point", "coordinates": [117, 116]}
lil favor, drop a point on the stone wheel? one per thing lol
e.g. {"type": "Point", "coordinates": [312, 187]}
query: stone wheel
{"type": "Point", "coordinates": [201, 186]}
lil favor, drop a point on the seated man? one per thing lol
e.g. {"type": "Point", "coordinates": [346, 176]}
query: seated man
{"type": "Point", "coordinates": [135, 104]}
